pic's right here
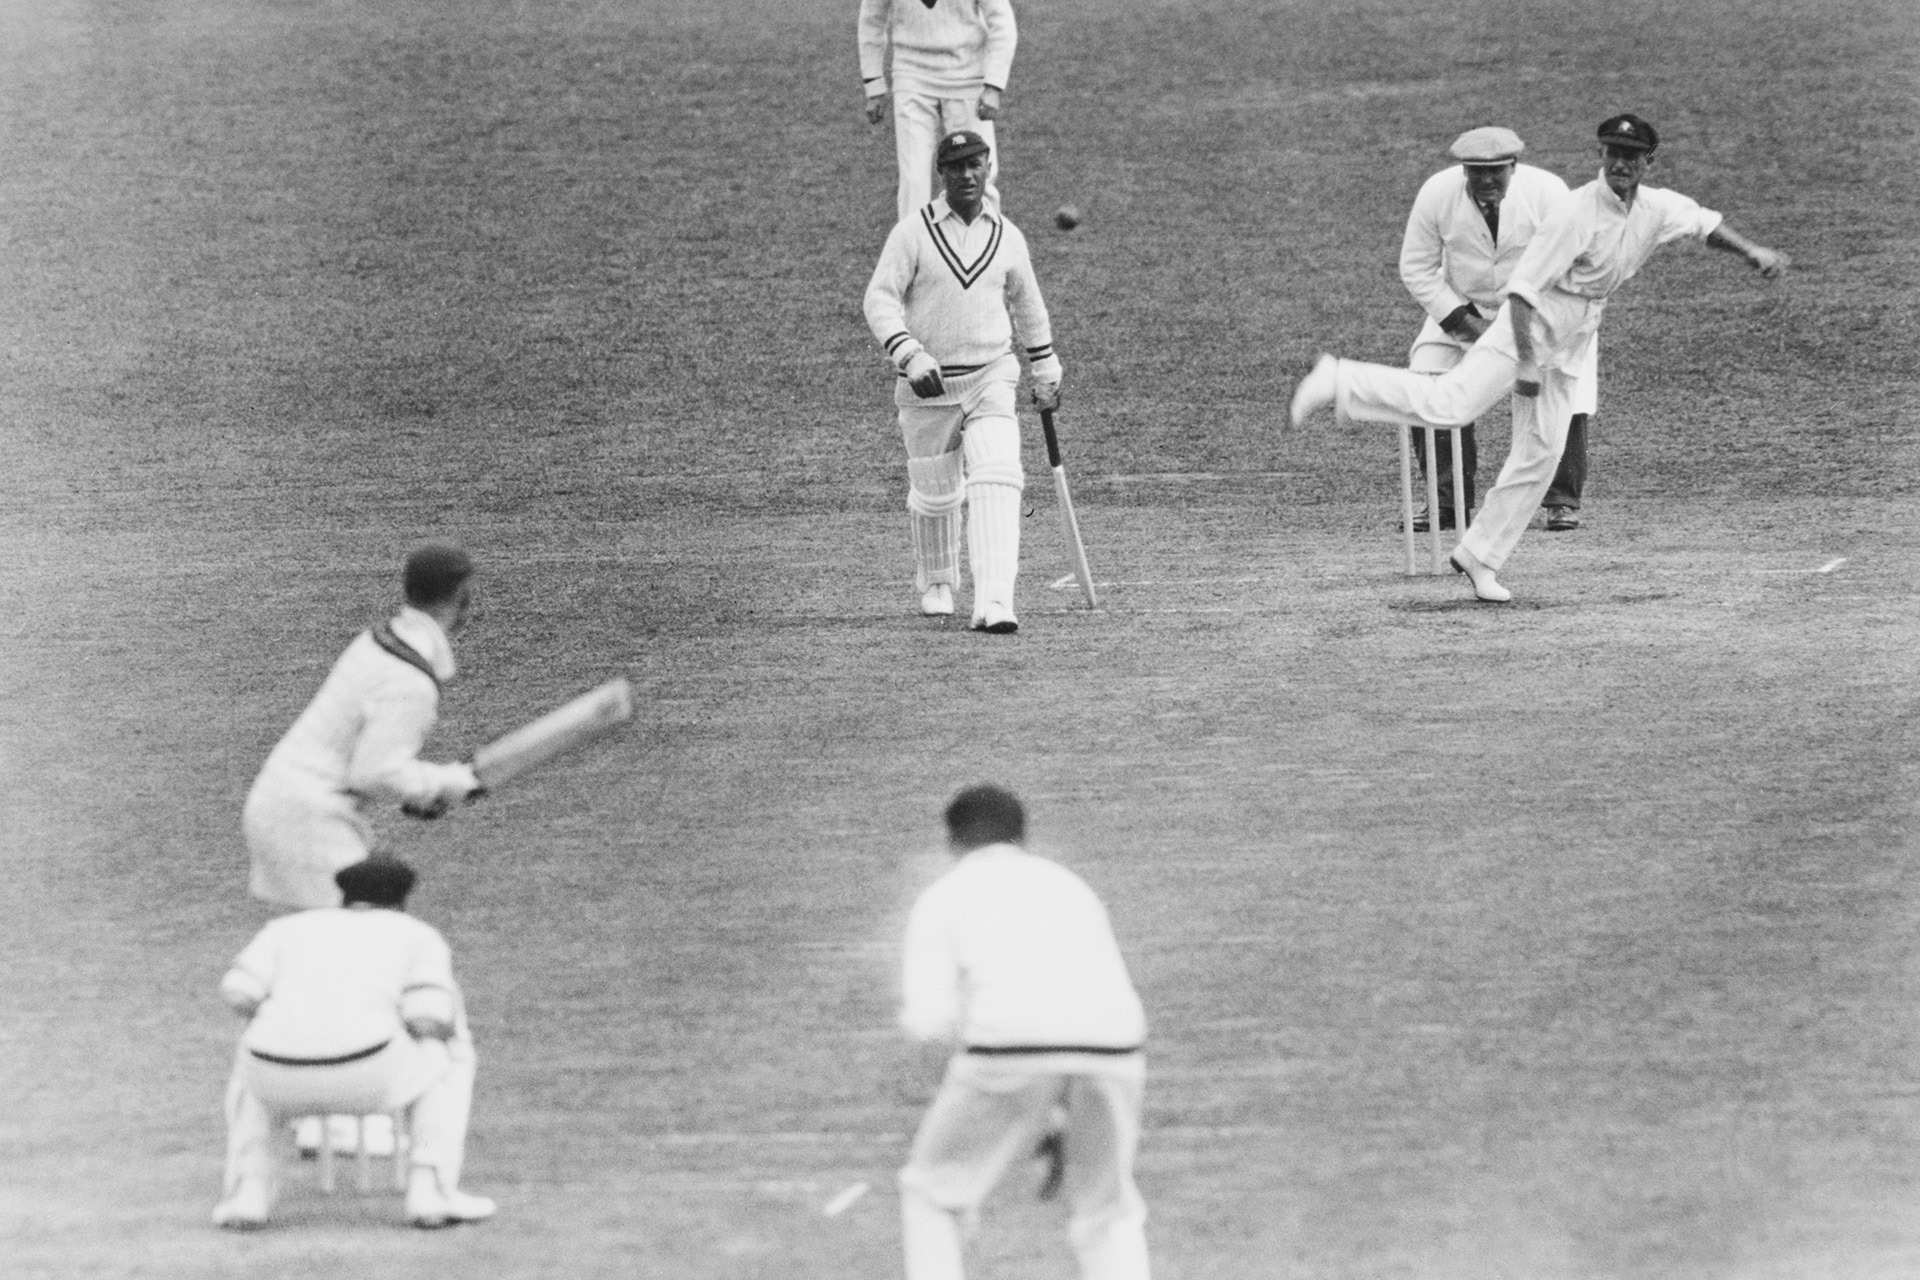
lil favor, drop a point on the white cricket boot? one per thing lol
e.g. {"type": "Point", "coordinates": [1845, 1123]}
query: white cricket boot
{"type": "Point", "coordinates": [1484, 585]}
{"type": "Point", "coordinates": [996, 619]}
{"type": "Point", "coordinates": [428, 1206]}
{"type": "Point", "coordinates": [1318, 390]}
{"type": "Point", "coordinates": [937, 601]}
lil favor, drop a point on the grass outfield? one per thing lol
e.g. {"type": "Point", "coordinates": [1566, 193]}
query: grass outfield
{"type": "Point", "coordinates": [1569, 939]}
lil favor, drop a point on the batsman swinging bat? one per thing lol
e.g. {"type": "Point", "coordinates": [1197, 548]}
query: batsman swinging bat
{"type": "Point", "coordinates": [588, 718]}
{"type": "Point", "coordinates": [1067, 520]}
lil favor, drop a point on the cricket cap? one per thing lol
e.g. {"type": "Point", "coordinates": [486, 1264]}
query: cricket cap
{"type": "Point", "coordinates": [1488, 145]}
{"type": "Point", "coordinates": [1628, 130]}
{"type": "Point", "coordinates": [960, 145]}
{"type": "Point", "coordinates": [379, 881]}
{"type": "Point", "coordinates": [985, 815]}
{"type": "Point", "coordinates": [434, 572]}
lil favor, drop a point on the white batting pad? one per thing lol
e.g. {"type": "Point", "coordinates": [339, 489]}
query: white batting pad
{"type": "Point", "coordinates": [994, 482]}
{"type": "Point", "coordinates": [934, 495]}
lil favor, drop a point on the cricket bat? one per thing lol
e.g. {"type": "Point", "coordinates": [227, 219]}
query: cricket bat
{"type": "Point", "coordinates": [568, 727]}
{"type": "Point", "coordinates": [1075, 547]}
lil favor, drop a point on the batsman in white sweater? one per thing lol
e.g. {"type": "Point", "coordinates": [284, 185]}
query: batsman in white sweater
{"type": "Point", "coordinates": [953, 284]}
{"type": "Point", "coordinates": [1012, 957]}
{"type": "Point", "coordinates": [359, 740]}
{"type": "Point", "coordinates": [951, 60]}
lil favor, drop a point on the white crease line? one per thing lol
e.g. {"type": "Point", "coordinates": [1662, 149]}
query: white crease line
{"type": "Point", "coordinates": [1068, 580]}
{"type": "Point", "coordinates": [1831, 565]}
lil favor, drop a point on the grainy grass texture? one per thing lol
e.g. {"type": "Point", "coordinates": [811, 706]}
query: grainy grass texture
{"type": "Point", "coordinates": [1567, 940]}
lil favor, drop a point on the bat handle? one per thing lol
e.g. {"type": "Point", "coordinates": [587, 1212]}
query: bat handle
{"type": "Point", "coordinates": [1053, 441]}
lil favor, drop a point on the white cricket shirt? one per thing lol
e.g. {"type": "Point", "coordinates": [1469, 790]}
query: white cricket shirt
{"type": "Point", "coordinates": [337, 981]}
{"type": "Point", "coordinates": [1592, 245]}
{"type": "Point", "coordinates": [363, 731]}
{"type": "Point", "coordinates": [1011, 950]}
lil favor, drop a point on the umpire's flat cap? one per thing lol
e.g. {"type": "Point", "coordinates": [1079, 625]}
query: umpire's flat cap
{"type": "Point", "coordinates": [960, 145]}
{"type": "Point", "coordinates": [1628, 130]}
{"type": "Point", "coordinates": [1489, 145]}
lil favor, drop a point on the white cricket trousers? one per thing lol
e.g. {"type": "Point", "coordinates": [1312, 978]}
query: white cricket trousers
{"type": "Point", "coordinates": [965, 445]}
{"type": "Point", "coordinates": [300, 830]}
{"type": "Point", "coordinates": [991, 1111]}
{"type": "Point", "coordinates": [429, 1079]}
{"type": "Point", "coordinates": [919, 122]}
{"type": "Point", "coordinates": [1380, 393]}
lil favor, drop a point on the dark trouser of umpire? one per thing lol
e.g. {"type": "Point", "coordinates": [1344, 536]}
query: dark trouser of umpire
{"type": "Point", "coordinates": [1568, 481]}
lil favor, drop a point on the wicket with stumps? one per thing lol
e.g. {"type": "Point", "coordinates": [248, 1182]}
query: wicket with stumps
{"type": "Point", "coordinates": [1433, 497]}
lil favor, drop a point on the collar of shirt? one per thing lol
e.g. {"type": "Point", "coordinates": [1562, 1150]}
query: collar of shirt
{"type": "Point", "coordinates": [424, 634]}
{"type": "Point", "coordinates": [943, 211]}
{"type": "Point", "coordinates": [1610, 199]}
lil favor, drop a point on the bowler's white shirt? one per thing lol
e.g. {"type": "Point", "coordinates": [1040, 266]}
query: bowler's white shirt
{"type": "Point", "coordinates": [1449, 257]}
{"type": "Point", "coordinates": [339, 980]}
{"type": "Point", "coordinates": [949, 49]}
{"type": "Point", "coordinates": [1008, 949]}
{"type": "Point", "coordinates": [1595, 243]}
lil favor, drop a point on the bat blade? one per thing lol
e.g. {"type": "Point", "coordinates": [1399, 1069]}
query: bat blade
{"type": "Point", "coordinates": [568, 727]}
{"type": "Point", "coordinates": [1071, 525]}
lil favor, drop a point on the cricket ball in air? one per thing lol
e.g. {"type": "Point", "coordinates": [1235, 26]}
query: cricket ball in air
{"type": "Point", "coordinates": [1067, 217]}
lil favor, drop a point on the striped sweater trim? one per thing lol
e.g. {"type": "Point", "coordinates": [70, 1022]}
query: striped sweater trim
{"type": "Point", "coordinates": [340, 1060]}
{"type": "Point", "coordinates": [384, 636]}
{"type": "Point", "coordinates": [1012, 1050]}
{"type": "Point", "coordinates": [965, 273]}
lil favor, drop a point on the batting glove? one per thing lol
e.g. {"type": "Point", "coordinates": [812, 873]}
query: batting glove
{"type": "Point", "coordinates": [923, 375]}
{"type": "Point", "coordinates": [1046, 382]}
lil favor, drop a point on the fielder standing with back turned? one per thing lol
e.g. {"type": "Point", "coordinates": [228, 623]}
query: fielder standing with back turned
{"type": "Point", "coordinates": [1012, 956]}
{"type": "Point", "coordinates": [953, 285]}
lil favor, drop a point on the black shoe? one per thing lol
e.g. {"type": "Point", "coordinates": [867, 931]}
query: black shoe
{"type": "Point", "coordinates": [1562, 519]}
